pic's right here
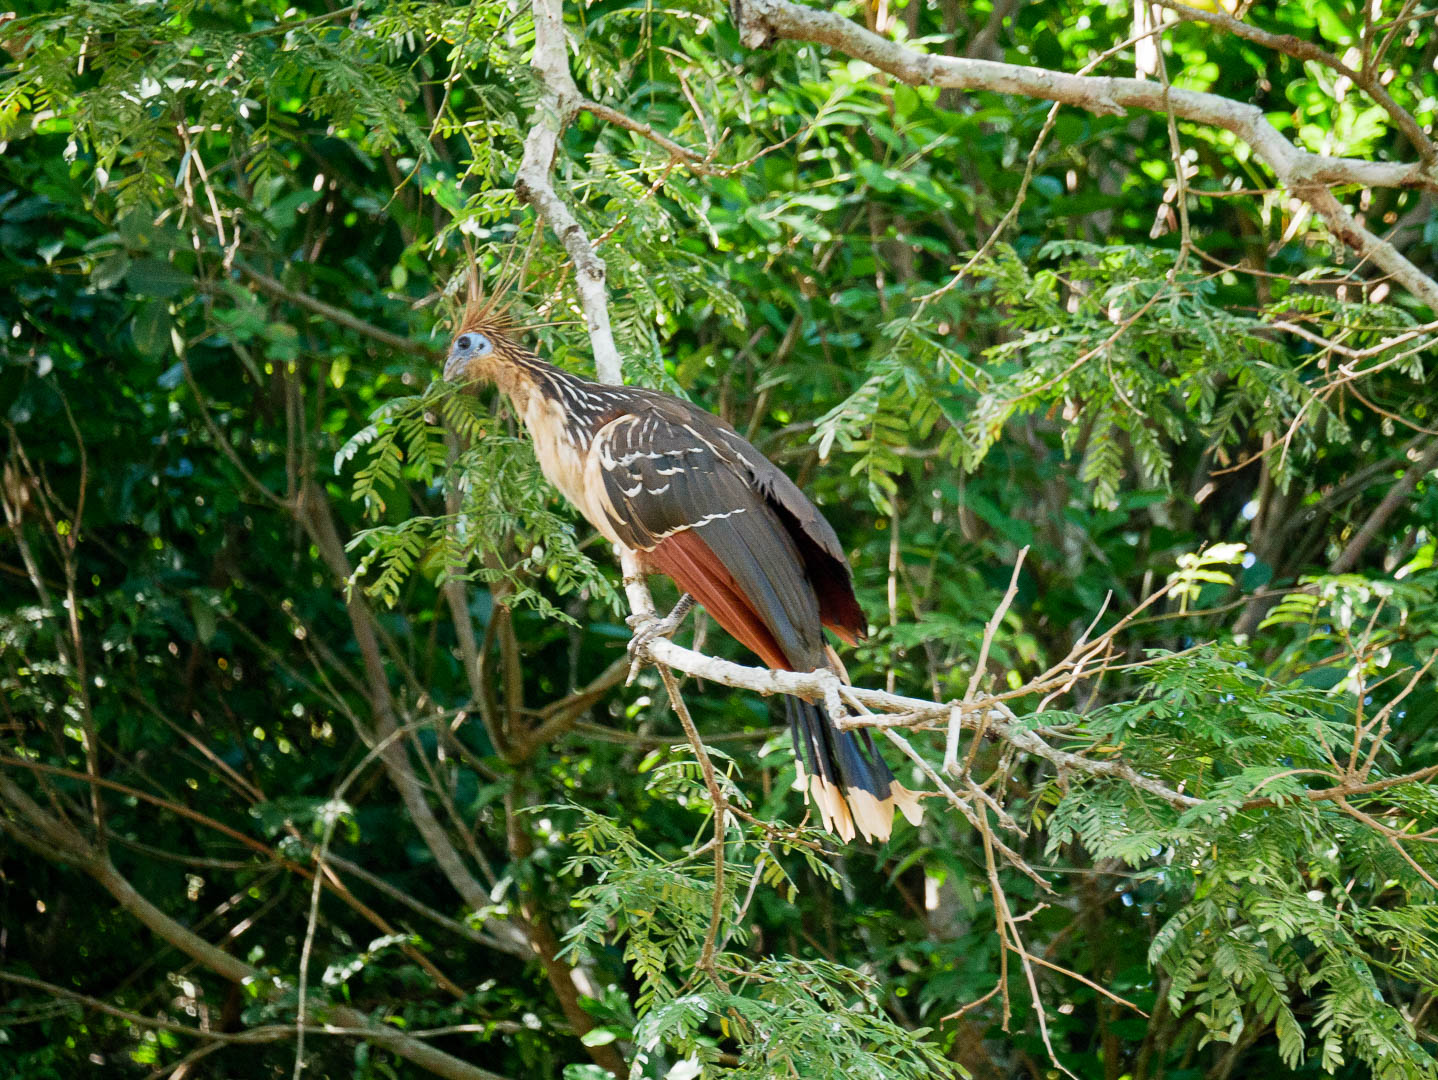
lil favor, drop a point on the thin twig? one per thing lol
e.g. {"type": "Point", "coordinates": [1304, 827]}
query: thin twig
{"type": "Point", "coordinates": [721, 809]}
{"type": "Point", "coordinates": [337, 315]}
{"type": "Point", "coordinates": [331, 811]}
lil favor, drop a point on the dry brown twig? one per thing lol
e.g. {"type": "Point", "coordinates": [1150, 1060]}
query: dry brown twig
{"type": "Point", "coordinates": [721, 815]}
{"type": "Point", "coordinates": [320, 854]}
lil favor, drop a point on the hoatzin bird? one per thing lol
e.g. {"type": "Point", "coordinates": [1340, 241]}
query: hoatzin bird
{"type": "Point", "coordinates": [681, 488]}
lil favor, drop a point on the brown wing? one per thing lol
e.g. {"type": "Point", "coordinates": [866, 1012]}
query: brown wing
{"type": "Point", "coordinates": [662, 479]}
{"type": "Point", "coordinates": [817, 542]}
{"type": "Point", "coordinates": [710, 511]}
{"type": "Point", "coordinates": [678, 425]}
{"type": "Point", "coordinates": [687, 559]}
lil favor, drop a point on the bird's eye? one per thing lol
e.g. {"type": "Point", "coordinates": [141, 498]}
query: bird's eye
{"type": "Point", "coordinates": [465, 342]}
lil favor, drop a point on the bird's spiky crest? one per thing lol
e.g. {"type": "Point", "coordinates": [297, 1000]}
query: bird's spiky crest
{"type": "Point", "coordinates": [491, 313]}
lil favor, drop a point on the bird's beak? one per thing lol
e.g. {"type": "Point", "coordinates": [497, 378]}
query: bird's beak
{"type": "Point", "coordinates": [454, 368]}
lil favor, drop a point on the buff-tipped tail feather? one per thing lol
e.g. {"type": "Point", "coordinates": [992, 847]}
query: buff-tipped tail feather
{"type": "Point", "coordinates": [843, 776]}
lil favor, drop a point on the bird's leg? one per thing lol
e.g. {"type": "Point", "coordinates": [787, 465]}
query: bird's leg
{"type": "Point", "coordinates": [658, 628]}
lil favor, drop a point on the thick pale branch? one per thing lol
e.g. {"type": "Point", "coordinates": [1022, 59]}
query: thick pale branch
{"type": "Point", "coordinates": [762, 21]}
{"type": "Point", "coordinates": [989, 713]}
{"type": "Point", "coordinates": [1305, 50]}
{"type": "Point", "coordinates": [1346, 228]}
{"type": "Point", "coordinates": [1306, 175]}
{"type": "Point", "coordinates": [552, 114]}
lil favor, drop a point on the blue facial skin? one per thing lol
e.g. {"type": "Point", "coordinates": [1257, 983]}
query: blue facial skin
{"type": "Point", "coordinates": [468, 346]}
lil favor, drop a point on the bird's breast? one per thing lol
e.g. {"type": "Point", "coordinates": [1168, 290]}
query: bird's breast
{"type": "Point", "coordinates": [564, 463]}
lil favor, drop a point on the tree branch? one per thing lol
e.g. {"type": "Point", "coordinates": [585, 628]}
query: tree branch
{"type": "Point", "coordinates": [693, 160]}
{"type": "Point", "coordinates": [336, 315]}
{"type": "Point", "coordinates": [510, 940]}
{"type": "Point", "coordinates": [68, 846]}
{"type": "Point", "coordinates": [314, 514]}
{"type": "Point", "coordinates": [1349, 556]}
{"type": "Point", "coordinates": [559, 717]}
{"type": "Point", "coordinates": [1307, 175]}
{"type": "Point", "coordinates": [1305, 50]}
{"type": "Point", "coordinates": [556, 107]}
{"type": "Point", "coordinates": [705, 962]}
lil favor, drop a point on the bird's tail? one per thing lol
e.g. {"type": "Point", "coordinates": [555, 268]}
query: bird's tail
{"type": "Point", "coordinates": [844, 776]}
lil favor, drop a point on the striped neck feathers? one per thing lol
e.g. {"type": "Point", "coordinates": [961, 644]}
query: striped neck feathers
{"type": "Point", "coordinates": [522, 376]}
{"type": "Point", "coordinates": [515, 369]}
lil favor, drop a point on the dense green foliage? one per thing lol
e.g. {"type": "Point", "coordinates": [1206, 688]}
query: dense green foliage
{"type": "Point", "coordinates": [273, 595]}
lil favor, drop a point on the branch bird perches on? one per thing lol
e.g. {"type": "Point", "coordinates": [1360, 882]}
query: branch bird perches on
{"type": "Point", "coordinates": [682, 492]}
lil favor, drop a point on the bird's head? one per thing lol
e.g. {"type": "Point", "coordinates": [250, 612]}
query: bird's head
{"type": "Point", "coordinates": [484, 341]}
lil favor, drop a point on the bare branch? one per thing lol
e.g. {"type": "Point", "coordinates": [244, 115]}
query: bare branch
{"type": "Point", "coordinates": [510, 940]}
{"type": "Point", "coordinates": [552, 114]}
{"type": "Point", "coordinates": [1397, 494]}
{"type": "Point", "coordinates": [911, 712]}
{"type": "Point", "coordinates": [562, 715]}
{"type": "Point", "coordinates": [705, 962]}
{"type": "Point", "coordinates": [1304, 50]}
{"type": "Point", "coordinates": [982, 663]}
{"type": "Point", "coordinates": [337, 315]}
{"type": "Point", "coordinates": [1307, 175]}
{"type": "Point", "coordinates": [65, 844]}
{"type": "Point", "coordinates": [692, 159]}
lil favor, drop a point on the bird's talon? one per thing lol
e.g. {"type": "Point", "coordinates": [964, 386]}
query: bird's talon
{"type": "Point", "coordinates": [646, 628]}
{"type": "Point", "coordinates": [639, 643]}
{"type": "Point", "coordinates": [833, 702]}
{"type": "Point", "coordinates": [645, 633]}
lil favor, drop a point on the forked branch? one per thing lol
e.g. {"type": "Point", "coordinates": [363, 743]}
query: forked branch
{"type": "Point", "coordinates": [1308, 176]}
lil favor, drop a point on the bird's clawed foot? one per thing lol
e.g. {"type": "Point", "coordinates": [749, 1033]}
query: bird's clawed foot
{"type": "Point", "coordinates": [833, 697]}
{"type": "Point", "coordinates": [646, 631]}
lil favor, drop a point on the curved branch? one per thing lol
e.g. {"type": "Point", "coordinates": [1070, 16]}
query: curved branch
{"type": "Point", "coordinates": [1307, 175]}
{"type": "Point", "coordinates": [279, 291]}
{"type": "Point", "coordinates": [1397, 495]}
{"type": "Point", "coordinates": [989, 715]}
{"type": "Point", "coordinates": [1306, 50]}
{"type": "Point", "coordinates": [694, 161]}
{"type": "Point", "coordinates": [60, 842]}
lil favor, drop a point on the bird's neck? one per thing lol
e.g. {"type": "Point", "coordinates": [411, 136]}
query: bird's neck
{"type": "Point", "coordinates": [584, 405]}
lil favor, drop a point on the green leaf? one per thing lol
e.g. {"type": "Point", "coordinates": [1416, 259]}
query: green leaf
{"type": "Point", "coordinates": [153, 277]}
{"type": "Point", "coordinates": [150, 328]}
